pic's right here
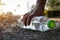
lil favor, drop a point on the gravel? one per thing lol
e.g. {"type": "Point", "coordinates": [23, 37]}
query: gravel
{"type": "Point", "coordinates": [18, 33]}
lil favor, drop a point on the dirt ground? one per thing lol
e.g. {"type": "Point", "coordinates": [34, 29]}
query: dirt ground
{"type": "Point", "coordinates": [24, 34]}
{"type": "Point", "coordinates": [17, 33]}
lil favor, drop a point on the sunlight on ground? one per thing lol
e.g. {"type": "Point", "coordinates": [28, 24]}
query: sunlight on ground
{"type": "Point", "coordinates": [17, 7]}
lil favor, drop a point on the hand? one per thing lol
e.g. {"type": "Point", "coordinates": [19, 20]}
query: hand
{"type": "Point", "coordinates": [37, 11]}
{"type": "Point", "coordinates": [27, 18]}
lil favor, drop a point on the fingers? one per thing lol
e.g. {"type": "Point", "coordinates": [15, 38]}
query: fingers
{"type": "Point", "coordinates": [29, 20]}
{"type": "Point", "coordinates": [25, 19]}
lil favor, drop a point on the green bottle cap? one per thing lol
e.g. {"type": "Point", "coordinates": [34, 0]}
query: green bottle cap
{"type": "Point", "coordinates": [51, 24]}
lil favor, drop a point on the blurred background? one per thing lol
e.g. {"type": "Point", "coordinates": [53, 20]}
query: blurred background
{"type": "Point", "coordinates": [12, 10]}
{"type": "Point", "coordinates": [20, 7]}
{"type": "Point", "coordinates": [17, 7]}
{"type": "Point", "coordinates": [52, 8]}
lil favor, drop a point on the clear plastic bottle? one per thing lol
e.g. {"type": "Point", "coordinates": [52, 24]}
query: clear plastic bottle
{"type": "Point", "coordinates": [41, 23]}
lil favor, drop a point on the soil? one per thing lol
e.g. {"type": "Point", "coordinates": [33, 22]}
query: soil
{"type": "Point", "coordinates": [18, 33]}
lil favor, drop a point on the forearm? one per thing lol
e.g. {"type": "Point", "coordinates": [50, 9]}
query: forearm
{"type": "Point", "coordinates": [40, 6]}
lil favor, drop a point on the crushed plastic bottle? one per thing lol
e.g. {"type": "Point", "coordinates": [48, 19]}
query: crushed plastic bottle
{"type": "Point", "coordinates": [41, 23]}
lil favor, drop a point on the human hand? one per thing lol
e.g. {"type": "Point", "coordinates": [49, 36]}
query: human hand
{"type": "Point", "coordinates": [27, 18]}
